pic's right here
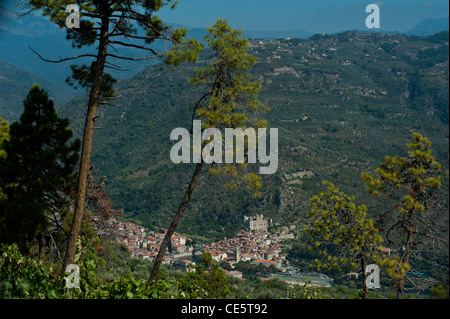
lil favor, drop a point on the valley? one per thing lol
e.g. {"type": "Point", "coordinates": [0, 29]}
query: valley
{"type": "Point", "coordinates": [341, 104]}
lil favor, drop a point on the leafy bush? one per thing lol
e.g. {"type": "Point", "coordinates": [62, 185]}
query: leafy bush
{"type": "Point", "coordinates": [25, 277]}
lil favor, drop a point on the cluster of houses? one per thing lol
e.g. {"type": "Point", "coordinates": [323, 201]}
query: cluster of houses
{"type": "Point", "coordinates": [257, 246]}
{"type": "Point", "coordinates": [144, 243]}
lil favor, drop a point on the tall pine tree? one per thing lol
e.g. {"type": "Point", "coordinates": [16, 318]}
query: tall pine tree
{"type": "Point", "coordinates": [110, 24]}
{"type": "Point", "coordinates": [230, 100]}
{"type": "Point", "coordinates": [37, 171]}
{"type": "Point", "coordinates": [413, 183]}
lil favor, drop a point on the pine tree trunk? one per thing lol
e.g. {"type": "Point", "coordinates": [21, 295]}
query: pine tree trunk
{"type": "Point", "coordinates": [94, 99]}
{"type": "Point", "coordinates": [42, 245]}
{"type": "Point", "coordinates": [175, 221]}
{"type": "Point", "coordinates": [405, 260]}
{"type": "Point", "coordinates": [365, 290]}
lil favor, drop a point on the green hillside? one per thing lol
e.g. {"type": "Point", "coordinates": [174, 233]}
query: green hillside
{"type": "Point", "coordinates": [341, 103]}
{"type": "Point", "coordinates": [14, 85]}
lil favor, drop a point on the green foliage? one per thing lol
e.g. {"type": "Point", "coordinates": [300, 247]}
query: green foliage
{"type": "Point", "coordinates": [231, 99]}
{"type": "Point", "coordinates": [188, 51]}
{"type": "Point", "coordinates": [84, 76]}
{"type": "Point", "coordinates": [272, 289]}
{"type": "Point", "coordinates": [4, 135]}
{"type": "Point", "coordinates": [340, 230]}
{"type": "Point", "coordinates": [131, 288]}
{"type": "Point", "coordinates": [232, 93]}
{"type": "Point", "coordinates": [38, 171]}
{"type": "Point", "coordinates": [25, 277]}
{"type": "Point", "coordinates": [206, 280]}
{"type": "Point", "coordinates": [252, 272]}
{"type": "Point", "coordinates": [85, 36]}
{"type": "Point", "coordinates": [306, 292]}
{"type": "Point", "coordinates": [440, 292]}
{"type": "Point", "coordinates": [413, 180]}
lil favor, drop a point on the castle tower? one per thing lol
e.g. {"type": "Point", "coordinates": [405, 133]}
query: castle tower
{"type": "Point", "coordinates": [237, 253]}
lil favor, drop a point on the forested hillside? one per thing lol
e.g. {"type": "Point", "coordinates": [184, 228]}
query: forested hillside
{"type": "Point", "coordinates": [341, 104]}
{"type": "Point", "coordinates": [14, 85]}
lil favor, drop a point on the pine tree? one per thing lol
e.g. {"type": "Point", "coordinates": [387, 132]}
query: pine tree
{"type": "Point", "coordinates": [109, 24]}
{"type": "Point", "coordinates": [412, 182]}
{"type": "Point", "coordinates": [230, 97]}
{"type": "Point", "coordinates": [342, 234]}
{"type": "Point", "coordinates": [38, 170]}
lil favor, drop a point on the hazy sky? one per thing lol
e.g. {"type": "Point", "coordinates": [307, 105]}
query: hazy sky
{"type": "Point", "coordinates": [311, 15]}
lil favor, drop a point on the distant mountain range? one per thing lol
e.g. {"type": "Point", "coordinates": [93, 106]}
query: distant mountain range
{"type": "Point", "coordinates": [424, 28]}
{"type": "Point", "coordinates": [19, 34]}
{"type": "Point", "coordinates": [429, 27]}
{"type": "Point", "coordinates": [31, 25]}
{"type": "Point", "coordinates": [200, 33]}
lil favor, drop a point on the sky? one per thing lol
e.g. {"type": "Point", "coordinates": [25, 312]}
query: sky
{"type": "Point", "coordinates": [316, 16]}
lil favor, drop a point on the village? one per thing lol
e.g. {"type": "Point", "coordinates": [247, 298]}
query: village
{"type": "Point", "coordinates": [145, 244]}
{"type": "Point", "coordinates": [255, 244]}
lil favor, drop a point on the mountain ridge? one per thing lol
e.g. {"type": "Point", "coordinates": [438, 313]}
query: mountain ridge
{"type": "Point", "coordinates": [18, 34]}
{"type": "Point", "coordinates": [15, 82]}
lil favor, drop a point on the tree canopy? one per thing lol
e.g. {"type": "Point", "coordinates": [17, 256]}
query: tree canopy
{"type": "Point", "coordinates": [412, 182]}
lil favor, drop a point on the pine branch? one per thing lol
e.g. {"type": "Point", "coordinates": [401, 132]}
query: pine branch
{"type": "Point", "coordinates": [133, 59]}
{"type": "Point", "coordinates": [62, 59]}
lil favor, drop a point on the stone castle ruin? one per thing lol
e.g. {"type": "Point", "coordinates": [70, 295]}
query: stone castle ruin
{"type": "Point", "coordinates": [257, 222]}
